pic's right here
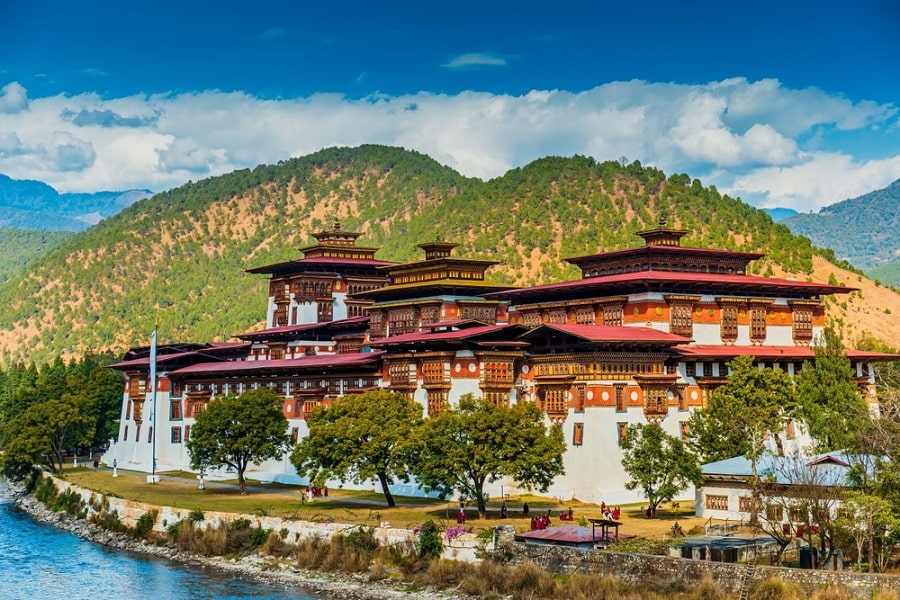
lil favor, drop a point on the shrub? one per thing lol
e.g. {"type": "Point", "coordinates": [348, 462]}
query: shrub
{"type": "Point", "coordinates": [144, 526]}
{"type": "Point", "coordinates": [196, 516]}
{"type": "Point", "coordinates": [69, 502]}
{"type": "Point", "coordinates": [363, 539]}
{"type": "Point", "coordinates": [428, 541]}
{"type": "Point", "coordinates": [276, 546]}
{"type": "Point", "coordinates": [108, 520]}
{"type": "Point", "coordinates": [45, 491]}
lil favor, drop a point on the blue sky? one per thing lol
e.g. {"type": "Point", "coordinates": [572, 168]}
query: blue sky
{"type": "Point", "coordinates": [781, 103]}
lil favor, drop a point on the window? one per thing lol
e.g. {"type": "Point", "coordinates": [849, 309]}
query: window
{"type": "Point", "coordinates": [620, 399]}
{"type": "Point", "coordinates": [729, 327]}
{"type": "Point", "coordinates": [295, 434]}
{"type": "Point", "coordinates": [187, 432]}
{"type": "Point", "coordinates": [150, 435]}
{"type": "Point", "coordinates": [437, 401]}
{"type": "Point", "coordinates": [717, 502]}
{"type": "Point", "coordinates": [175, 410]}
{"type": "Point", "coordinates": [623, 430]}
{"type": "Point", "coordinates": [774, 512]}
{"type": "Point", "coordinates": [690, 369]}
{"type": "Point", "coordinates": [681, 320]}
{"type": "Point", "coordinates": [125, 434]}
{"type": "Point", "coordinates": [556, 400]}
{"type": "Point", "coordinates": [579, 399]}
{"type": "Point", "coordinates": [797, 514]}
{"type": "Point", "coordinates": [578, 434]}
{"type": "Point", "coordinates": [176, 435]}
{"type": "Point", "coordinates": [745, 504]}
{"type": "Point", "coordinates": [684, 430]}
{"type": "Point", "coordinates": [758, 325]}
{"type": "Point", "coordinates": [802, 324]}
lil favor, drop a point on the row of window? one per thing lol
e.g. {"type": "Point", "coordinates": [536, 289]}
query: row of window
{"type": "Point", "coordinates": [622, 430]}
{"type": "Point", "coordinates": [773, 511]}
{"type": "Point", "coordinates": [178, 434]}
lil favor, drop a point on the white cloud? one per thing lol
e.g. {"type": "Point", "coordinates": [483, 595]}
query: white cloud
{"type": "Point", "coordinates": [821, 180]}
{"type": "Point", "coordinates": [13, 98]}
{"type": "Point", "coordinates": [773, 145]}
{"type": "Point", "coordinates": [475, 59]}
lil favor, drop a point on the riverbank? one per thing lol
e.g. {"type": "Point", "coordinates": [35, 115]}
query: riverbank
{"type": "Point", "coordinates": [263, 569]}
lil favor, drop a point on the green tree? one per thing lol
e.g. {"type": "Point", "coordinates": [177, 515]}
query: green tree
{"type": "Point", "coordinates": [43, 432]}
{"type": "Point", "coordinates": [359, 437]}
{"type": "Point", "coordinates": [476, 443]}
{"type": "Point", "coordinates": [236, 431]}
{"type": "Point", "coordinates": [741, 415]}
{"type": "Point", "coordinates": [826, 395]}
{"type": "Point", "coordinates": [659, 464]}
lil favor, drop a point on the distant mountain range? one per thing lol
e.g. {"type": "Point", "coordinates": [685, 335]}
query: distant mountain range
{"type": "Point", "coordinates": [780, 214]}
{"type": "Point", "coordinates": [29, 204]}
{"type": "Point", "coordinates": [35, 218]}
{"type": "Point", "coordinates": [864, 231]}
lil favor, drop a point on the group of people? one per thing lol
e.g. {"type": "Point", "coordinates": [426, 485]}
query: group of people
{"type": "Point", "coordinates": [542, 522]}
{"type": "Point", "coordinates": [610, 514]}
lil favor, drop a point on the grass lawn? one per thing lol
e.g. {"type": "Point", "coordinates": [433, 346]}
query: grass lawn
{"type": "Point", "coordinates": [180, 490]}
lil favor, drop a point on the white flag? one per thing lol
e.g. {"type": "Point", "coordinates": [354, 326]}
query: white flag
{"type": "Point", "coordinates": [152, 375]}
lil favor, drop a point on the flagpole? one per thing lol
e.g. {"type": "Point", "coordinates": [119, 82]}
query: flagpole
{"type": "Point", "coordinates": [153, 478]}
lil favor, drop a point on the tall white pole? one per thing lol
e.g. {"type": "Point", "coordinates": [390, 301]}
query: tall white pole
{"type": "Point", "coordinates": [153, 478]}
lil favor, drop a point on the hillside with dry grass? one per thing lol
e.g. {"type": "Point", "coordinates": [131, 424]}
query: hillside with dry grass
{"type": "Point", "coordinates": [178, 261]}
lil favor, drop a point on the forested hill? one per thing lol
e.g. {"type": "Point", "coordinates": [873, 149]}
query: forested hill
{"type": "Point", "coordinates": [178, 259]}
{"type": "Point", "coordinates": [865, 231]}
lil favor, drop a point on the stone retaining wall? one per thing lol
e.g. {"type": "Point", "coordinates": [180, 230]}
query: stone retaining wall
{"type": "Point", "coordinates": [642, 570]}
{"type": "Point", "coordinates": [464, 547]}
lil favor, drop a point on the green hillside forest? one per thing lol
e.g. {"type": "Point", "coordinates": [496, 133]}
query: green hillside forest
{"type": "Point", "coordinates": [177, 260]}
{"type": "Point", "coordinates": [864, 231]}
{"type": "Point", "coordinates": [19, 247]}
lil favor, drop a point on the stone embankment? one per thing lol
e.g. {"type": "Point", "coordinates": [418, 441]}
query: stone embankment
{"type": "Point", "coordinates": [261, 568]}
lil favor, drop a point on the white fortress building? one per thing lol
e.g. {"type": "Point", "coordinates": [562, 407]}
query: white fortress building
{"type": "Point", "coordinates": [644, 335]}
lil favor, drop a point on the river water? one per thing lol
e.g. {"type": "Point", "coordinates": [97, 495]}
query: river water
{"type": "Point", "coordinates": [38, 561]}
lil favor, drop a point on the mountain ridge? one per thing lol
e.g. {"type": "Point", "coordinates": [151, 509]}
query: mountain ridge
{"type": "Point", "coordinates": [177, 261]}
{"type": "Point", "coordinates": [864, 231]}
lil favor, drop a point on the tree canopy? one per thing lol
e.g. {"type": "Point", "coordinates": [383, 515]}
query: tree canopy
{"type": "Point", "coordinates": [235, 431]}
{"type": "Point", "coordinates": [359, 437]}
{"type": "Point", "coordinates": [463, 448]}
{"type": "Point", "coordinates": [741, 413]}
{"type": "Point", "coordinates": [657, 463]}
{"type": "Point", "coordinates": [826, 395]}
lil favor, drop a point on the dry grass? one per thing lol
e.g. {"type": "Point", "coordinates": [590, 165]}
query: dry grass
{"type": "Point", "coordinates": [356, 507]}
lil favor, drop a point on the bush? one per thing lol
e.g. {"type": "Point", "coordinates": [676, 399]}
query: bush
{"type": "Point", "coordinates": [69, 502]}
{"type": "Point", "coordinates": [144, 526]}
{"type": "Point", "coordinates": [196, 516]}
{"type": "Point", "coordinates": [276, 546]}
{"type": "Point", "coordinates": [363, 539]}
{"type": "Point", "coordinates": [108, 520]}
{"type": "Point", "coordinates": [428, 541]}
{"type": "Point", "coordinates": [45, 491]}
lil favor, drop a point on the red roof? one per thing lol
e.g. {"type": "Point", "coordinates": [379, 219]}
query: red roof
{"type": "Point", "coordinates": [320, 361]}
{"type": "Point", "coordinates": [662, 249]}
{"type": "Point", "coordinates": [428, 336]}
{"type": "Point", "coordinates": [773, 353]}
{"type": "Point", "coordinates": [298, 265]}
{"type": "Point", "coordinates": [670, 281]}
{"type": "Point", "coordinates": [286, 329]}
{"type": "Point", "coordinates": [612, 333]}
{"type": "Point", "coordinates": [208, 352]}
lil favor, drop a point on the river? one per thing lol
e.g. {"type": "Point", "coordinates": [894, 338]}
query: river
{"type": "Point", "coordinates": [39, 561]}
